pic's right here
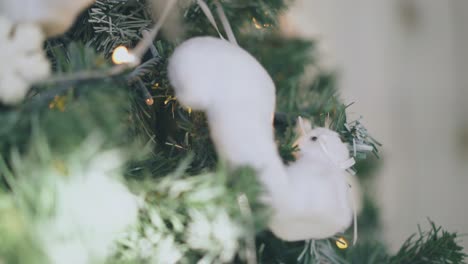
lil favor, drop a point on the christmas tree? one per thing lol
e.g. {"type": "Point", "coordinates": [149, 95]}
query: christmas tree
{"type": "Point", "coordinates": [127, 138]}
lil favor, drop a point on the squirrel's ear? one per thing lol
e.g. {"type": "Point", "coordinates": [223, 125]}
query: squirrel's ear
{"type": "Point", "coordinates": [303, 126]}
{"type": "Point", "coordinates": [328, 121]}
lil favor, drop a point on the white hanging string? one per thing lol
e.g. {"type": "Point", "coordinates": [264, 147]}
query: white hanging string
{"type": "Point", "coordinates": [225, 22]}
{"type": "Point", "coordinates": [147, 40]}
{"type": "Point", "coordinates": [246, 211]}
{"type": "Point", "coordinates": [355, 224]}
{"type": "Point", "coordinates": [346, 164]}
{"type": "Point", "coordinates": [206, 10]}
{"type": "Point", "coordinates": [222, 16]}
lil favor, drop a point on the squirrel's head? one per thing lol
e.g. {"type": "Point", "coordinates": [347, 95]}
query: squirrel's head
{"type": "Point", "coordinates": [320, 143]}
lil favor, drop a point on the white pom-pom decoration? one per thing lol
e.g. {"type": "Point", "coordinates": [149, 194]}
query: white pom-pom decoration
{"type": "Point", "coordinates": [22, 60]}
{"type": "Point", "coordinates": [309, 198]}
{"type": "Point", "coordinates": [54, 16]}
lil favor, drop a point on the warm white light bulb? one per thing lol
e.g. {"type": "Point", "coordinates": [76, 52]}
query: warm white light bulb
{"type": "Point", "coordinates": [121, 55]}
{"type": "Point", "coordinates": [341, 243]}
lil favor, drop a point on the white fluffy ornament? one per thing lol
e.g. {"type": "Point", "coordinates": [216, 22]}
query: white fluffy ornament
{"type": "Point", "coordinates": [309, 198]}
{"type": "Point", "coordinates": [22, 60]}
{"type": "Point", "coordinates": [54, 16]}
{"type": "Point", "coordinates": [91, 212]}
{"type": "Point", "coordinates": [238, 96]}
{"type": "Point", "coordinates": [320, 201]}
{"type": "Point", "coordinates": [92, 209]}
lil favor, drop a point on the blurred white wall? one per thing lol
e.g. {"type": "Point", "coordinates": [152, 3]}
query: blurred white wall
{"type": "Point", "coordinates": [405, 64]}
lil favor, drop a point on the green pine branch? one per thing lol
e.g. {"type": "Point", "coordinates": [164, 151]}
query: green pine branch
{"type": "Point", "coordinates": [432, 247]}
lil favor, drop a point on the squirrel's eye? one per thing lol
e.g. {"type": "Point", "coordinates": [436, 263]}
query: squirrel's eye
{"type": "Point", "coordinates": [314, 138]}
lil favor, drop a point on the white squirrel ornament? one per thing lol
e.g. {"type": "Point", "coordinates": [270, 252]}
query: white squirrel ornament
{"type": "Point", "coordinates": [320, 195]}
{"type": "Point", "coordinates": [309, 198]}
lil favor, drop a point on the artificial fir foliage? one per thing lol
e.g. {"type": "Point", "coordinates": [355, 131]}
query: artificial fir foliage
{"type": "Point", "coordinates": [87, 121]}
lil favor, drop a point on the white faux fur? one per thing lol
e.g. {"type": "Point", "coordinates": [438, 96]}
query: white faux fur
{"type": "Point", "coordinates": [309, 198]}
